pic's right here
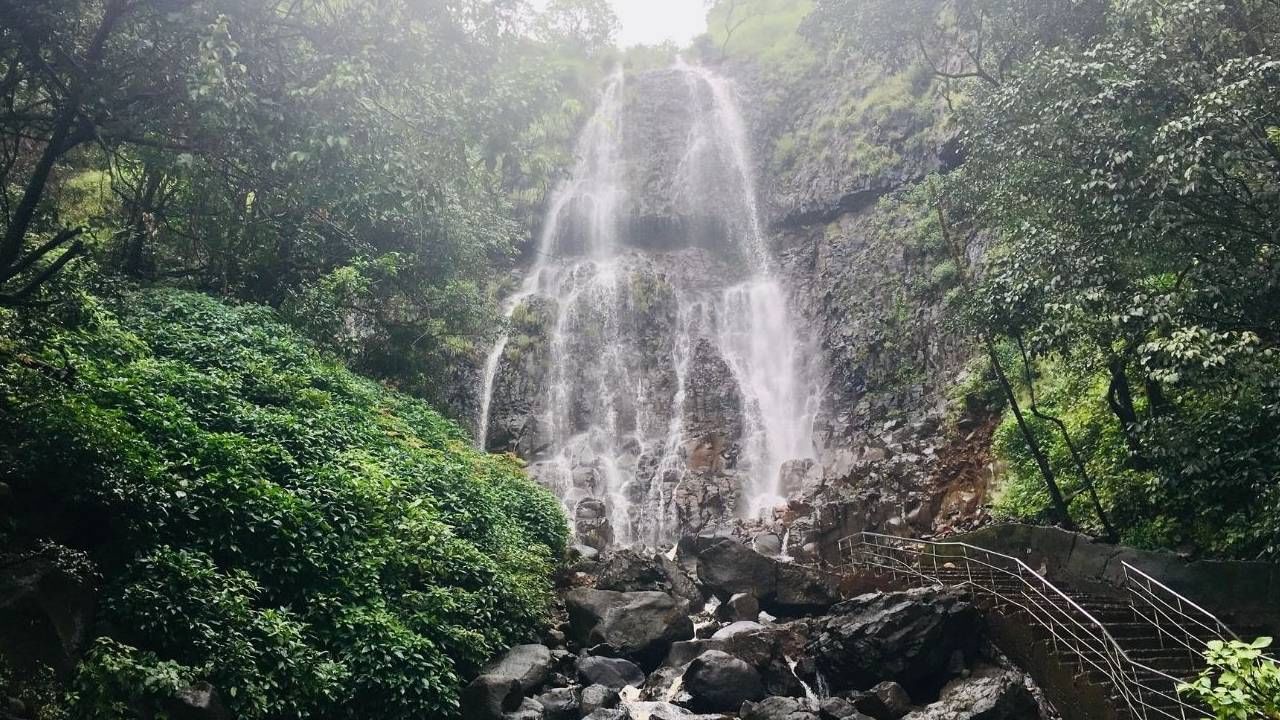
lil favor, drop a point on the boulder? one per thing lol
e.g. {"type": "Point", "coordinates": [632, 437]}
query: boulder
{"type": "Point", "coordinates": [729, 567]}
{"type": "Point", "coordinates": [629, 570]}
{"type": "Point", "coordinates": [683, 652]}
{"type": "Point", "coordinates": [991, 694]}
{"type": "Point", "coordinates": [720, 682]}
{"type": "Point", "coordinates": [499, 687]}
{"type": "Point", "coordinates": [488, 697]}
{"type": "Point", "coordinates": [560, 704]}
{"type": "Point", "coordinates": [584, 552]}
{"type": "Point", "coordinates": [739, 606]}
{"type": "Point", "coordinates": [47, 600]}
{"type": "Point", "coordinates": [613, 673]}
{"type": "Point", "coordinates": [838, 708]}
{"type": "Point", "coordinates": [529, 709]}
{"type": "Point", "coordinates": [606, 714]}
{"type": "Point", "coordinates": [637, 625]}
{"type": "Point", "coordinates": [737, 628]}
{"type": "Point", "coordinates": [910, 637]}
{"type": "Point", "coordinates": [595, 697]}
{"type": "Point", "coordinates": [886, 701]}
{"type": "Point", "coordinates": [779, 708]}
{"type": "Point", "coordinates": [803, 590]}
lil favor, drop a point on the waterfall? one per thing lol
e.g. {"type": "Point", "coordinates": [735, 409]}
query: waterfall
{"type": "Point", "coordinates": [658, 382]}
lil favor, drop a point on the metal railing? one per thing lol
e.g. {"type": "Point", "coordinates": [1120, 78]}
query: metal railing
{"type": "Point", "coordinates": [1148, 693]}
{"type": "Point", "coordinates": [1178, 622]}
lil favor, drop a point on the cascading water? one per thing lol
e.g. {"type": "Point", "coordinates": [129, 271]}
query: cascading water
{"type": "Point", "coordinates": [652, 375]}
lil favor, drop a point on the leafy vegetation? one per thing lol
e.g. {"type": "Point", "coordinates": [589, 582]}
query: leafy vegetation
{"type": "Point", "coordinates": [1240, 683]}
{"type": "Point", "coordinates": [309, 542]}
{"type": "Point", "coordinates": [1119, 176]}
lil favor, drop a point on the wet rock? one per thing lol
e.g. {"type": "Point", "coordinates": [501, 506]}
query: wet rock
{"type": "Point", "coordinates": [739, 606]}
{"type": "Point", "coordinates": [638, 625]}
{"type": "Point", "coordinates": [47, 601]}
{"type": "Point", "coordinates": [838, 708]}
{"type": "Point", "coordinates": [527, 664]}
{"type": "Point", "coordinates": [686, 650]}
{"type": "Point", "coordinates": [560, 704]}
{"type": "Point", "coordinates": [886, 701]}
{"type": "Point", "coordinates": [729, 567]}
{"type": "Point", "coordinates": [606, 714]}
{"type": "Point", "coordinates": [614, 673]}
{"type": "Point", "coordinates": [909, 637]}
{"type": "Point", "coordinates": [990, 694]}
{"type": "Point", "coordinates": [720, 682]}
{"type": "Point", "coordinates": [629, 570]}
{"type": "Point", "coordinates": [595, 697]}
{"type": "Point", "coordinates": [779, 708]}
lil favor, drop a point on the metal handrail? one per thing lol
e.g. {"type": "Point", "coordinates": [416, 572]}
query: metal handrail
{"type": "Point", "coordinates": [1011, 581]}
{"type": "Point", "coordinates": [1169, 609]}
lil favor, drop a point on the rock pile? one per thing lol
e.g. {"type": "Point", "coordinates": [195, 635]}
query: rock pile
{"type": "Point", "coordinates": [684, 636]}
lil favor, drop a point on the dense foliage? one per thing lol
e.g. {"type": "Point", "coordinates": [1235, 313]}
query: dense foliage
{"type": "Point", "coordinates": [365, 165]}
{"type": "Point", "coordinates": [1111, 242]}
{"type": "Point", "coordinates": [309, 542]}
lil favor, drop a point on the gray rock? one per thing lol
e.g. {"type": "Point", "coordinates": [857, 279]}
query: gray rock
{"type": "Point", "coordinates": [197, 702]}
{"type": "Point", "coordinates": [528, 664]}
{"type": "Point", "coordinates": [584, 552]}
{"type": "Point", "coordinates": [991, 694]}
{"type": "Point", "coordinates": [729, 567]}
{"type": "Point", "coordinates": [838, 708]}
{"type": "Point", "coordinates": [560, 704]}
{"type": "Point", "coordinates": [739, 606]}
{"type": "Point", "coordinates": [737, 628]}
{"type": "Point", "coordinates": [638, 625]}
{"type": "Point", "coordinates": [909, 637]}
{"type": "Point", "coordinates": [489, 696]}
{"type": "Point", "coordinates": [606, 714]}
{"type": "Point", "coordinates": [683, 652]}
{"type": "Point", "coordinates": [779, 708]}
{"type": "Point", "coordinates": [529, 709]}
{"type": "Point", "coordinates": [614, 673]}
{"type": "Point", "coordinates": [720, 682]}
{"type": "Point", "coordinates": [595, 697]}
{"type": "Point", "coordinates": [895, 700]}
{"type": "Point", "coordinates": [804, 590]}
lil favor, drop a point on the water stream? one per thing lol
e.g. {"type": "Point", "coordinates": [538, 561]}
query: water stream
{"type": "Point", "coordinates": [669, 357]}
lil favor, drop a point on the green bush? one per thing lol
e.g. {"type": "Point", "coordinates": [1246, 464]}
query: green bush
{"type": "Point", "coordinates": [311, 543]}
{"type": "Point", "coordinates": [1239, 682]}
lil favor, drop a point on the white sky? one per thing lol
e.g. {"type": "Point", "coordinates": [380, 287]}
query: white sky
{"type": "Point", "coordinates": [650, 22]}
{"type": "Point", "coordinates": [653, 21]}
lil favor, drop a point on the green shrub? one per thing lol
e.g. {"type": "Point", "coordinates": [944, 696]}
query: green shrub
{"type": "Point", "coordinates": [1239, 683]}
{"type": "Point", "coordinates": [308, 541]}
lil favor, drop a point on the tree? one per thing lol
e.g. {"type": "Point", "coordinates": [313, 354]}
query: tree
{"type": "Point", "coordinates": [591, 25]}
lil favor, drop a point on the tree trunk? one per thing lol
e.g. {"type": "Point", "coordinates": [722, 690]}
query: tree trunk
{"type": "Point", "coordinates": [1076, 459]}
{"type": "Point", "coordinates": [1060, 510]}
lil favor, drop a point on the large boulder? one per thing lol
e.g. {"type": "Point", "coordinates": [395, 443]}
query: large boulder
{"type": "Point", "coordinates": [614, 673]}
{"type": "Point", "coordinates": [529, 709]}
{"type": "Point", "coordinates": [911, 637]}
{"type": "Point", "coordinates": [803, 590]}
{"type": "Point", "coordinates": [729, 567]}
{"type": "Point", "coordinates": [988, 694]}
{"type": "Point", "coordinates": [630, 570]}
{"type": "Point", "coordinates": [720, 682]}
{"type": "Point", "coordinates": [595, 697]}
{"type": "Point", "coordinates": [637, 625]}
{"type": "Point", "coordinates": [499, 687]}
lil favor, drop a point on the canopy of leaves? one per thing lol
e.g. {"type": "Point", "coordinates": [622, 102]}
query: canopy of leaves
{"type": "Point", "coordinates": [309, 542]}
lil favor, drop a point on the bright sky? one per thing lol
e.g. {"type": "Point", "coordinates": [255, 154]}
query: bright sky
{"type": "Point", "coordinates": [654, 21]}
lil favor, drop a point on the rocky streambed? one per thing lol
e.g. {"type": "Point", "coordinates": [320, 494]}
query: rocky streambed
{"type": "Point", "coordinates": [713, 629]}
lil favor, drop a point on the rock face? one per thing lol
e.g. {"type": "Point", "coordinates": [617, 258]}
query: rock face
{"type": "Point", "coordinates": [638, 625]}
{"type": "Point", "coordinates": [918, 638]}
{"type": "Point", "coordinates": [720, 682]}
